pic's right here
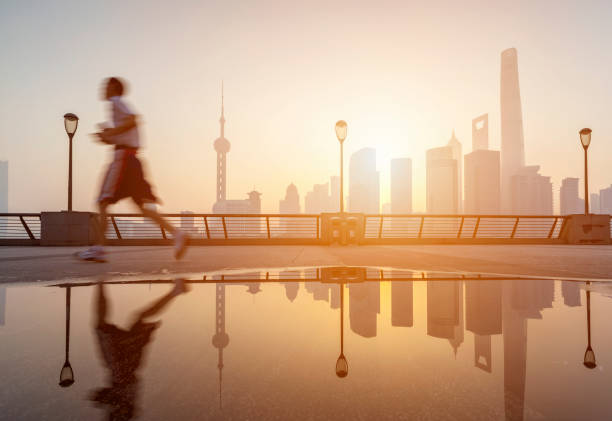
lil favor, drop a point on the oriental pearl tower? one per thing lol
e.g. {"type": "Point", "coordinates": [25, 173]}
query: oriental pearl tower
{"type": "Point", "coordinates": [222, 146]}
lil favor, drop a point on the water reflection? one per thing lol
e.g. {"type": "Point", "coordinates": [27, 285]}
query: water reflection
{"type": "Point", "coordinates": [122, 351]}
{"type": "Point", "coordinates": [437, 308]}
{"type": "Point", "coordinates": [589, 354]}
{"type": "Point", "coordinates": [66, 373]}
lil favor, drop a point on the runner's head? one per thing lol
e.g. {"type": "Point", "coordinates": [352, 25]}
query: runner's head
{"type": "Point", "coordinates": [113, 87]}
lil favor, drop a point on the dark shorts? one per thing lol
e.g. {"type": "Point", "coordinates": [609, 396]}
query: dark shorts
{"type": "Point", "coordinates": [125, 178]}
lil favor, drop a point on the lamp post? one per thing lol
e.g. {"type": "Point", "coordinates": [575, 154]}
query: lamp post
{"type": "Point", "coordinates": [341, 363]}
{"type": "Point", "coordinates": [66, 374]}
{"type": "Point", "coordinates": [585, 139]}
{"type": "Point", "coordinates": [71, 122]}
{"type": "Point", "coordinates": [589, 355]}
{"type": "Point", "coordinates": [341, 135]}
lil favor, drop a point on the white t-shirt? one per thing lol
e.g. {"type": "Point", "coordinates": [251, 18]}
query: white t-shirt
{"type": "Point", "coordinates": [120, 112]}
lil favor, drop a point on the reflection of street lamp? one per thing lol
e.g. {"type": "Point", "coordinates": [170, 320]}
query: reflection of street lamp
{"type": "Point", "coordinates": [585, 139]}
{"type": "Point", "coordinates": [71, 122]}
{"type": "Point", "coordinates": [341, 129]}
{"type": "Point", "coordinates": [589, 355]}
{"type": "Point", "coordinates": [341, 363]}
{"type": "Point", "coordinates": [67, 375]}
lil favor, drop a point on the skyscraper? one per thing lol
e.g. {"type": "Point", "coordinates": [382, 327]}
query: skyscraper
{"type": "Point", "coordinates": [512, 140]}
{"type": "Point", "coordinates": [605, 201]}
{"type": "Point", "coordinates": [441, 181]}
{"type": "Point", "coordinates": [594, 203]}
{"type": "Point", "coordinates": [364, 185]}
{"type": "Point", "coordinates": [480, 133]}
{"type": "Point", "coordinates": [3, 186]}
{"type": "Point", "coordinates": [482, 184]}
{"type": "Point", "coordinates": [317, 200]}
{"type": "Point", "coordinates": [482, 172]}
{"type": "Point", "coordinates": [569, 200]}
{"type": "Point", "coordinates": [457, 154]}
{"type": "Point", "coordinates": [291, 202]}
{"type": "Point", "coordinates": [401, 185]}
{"type": "Point", "coordinates": [531, 193]}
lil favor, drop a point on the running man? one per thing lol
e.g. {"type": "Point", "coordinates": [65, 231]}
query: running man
{"type": "Point", "coordinates": [124, 177]}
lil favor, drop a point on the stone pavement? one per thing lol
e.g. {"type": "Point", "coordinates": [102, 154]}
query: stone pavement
{"type": "Point", "coordinates": [29, 264]}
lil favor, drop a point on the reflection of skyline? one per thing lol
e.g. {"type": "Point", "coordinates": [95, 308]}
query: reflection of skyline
{"type": "Point", "coordinates": [364, 306]}
{"type": "Point", "coordinates": [445, 311]}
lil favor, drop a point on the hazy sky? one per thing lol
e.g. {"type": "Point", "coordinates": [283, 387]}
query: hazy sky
{"type": "Point", "coordinates": [402, 74]}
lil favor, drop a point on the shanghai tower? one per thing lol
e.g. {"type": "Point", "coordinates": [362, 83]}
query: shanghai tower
{"type": "Point", "coordinates": [512, 141]}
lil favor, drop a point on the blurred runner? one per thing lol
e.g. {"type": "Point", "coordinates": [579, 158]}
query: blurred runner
{"type": "Point", "coordinates": [124, 177]}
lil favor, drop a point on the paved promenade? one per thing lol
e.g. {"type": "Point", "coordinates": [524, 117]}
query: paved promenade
{"type": "Point", "coordinates": [27, 264]}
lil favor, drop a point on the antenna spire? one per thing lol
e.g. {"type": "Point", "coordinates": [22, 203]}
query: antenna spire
{"type": "Point", "coordinates": [222, 119]}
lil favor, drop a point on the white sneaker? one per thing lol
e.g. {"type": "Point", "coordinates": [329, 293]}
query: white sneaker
{"type": "Point", "coordinates": [180, 244]}
{"type": "Point", "coordinates": [92, 254]}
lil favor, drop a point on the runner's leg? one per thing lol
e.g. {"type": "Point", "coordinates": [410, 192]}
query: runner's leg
{"type": "Point", "coordinates": [102, 206]}
{"type": "Point", "coordinates": [101, 305]}
{"type": "Point", "coordinates": [157, 218]}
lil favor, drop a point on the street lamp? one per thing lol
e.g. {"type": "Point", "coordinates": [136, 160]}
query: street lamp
{"type": "Point", "coordinates": [585, 139]}
{"type": "Point", "coordinates": [341, 363]}
{"type": "Point", "coordinates": [341, 135]}
{"type": "Point", "coordinates": [66, 374]}
{"type": "Point", "coordinates": [589, 355]}
{"type": "Point", "coordinates": [71, 122]}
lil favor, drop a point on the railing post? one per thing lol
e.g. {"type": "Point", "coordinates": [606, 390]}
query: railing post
{"type": "Point", "coordinates": [117, 233]}
{"type": "Point", "coordinates": [515, 226]}
{"type": "Point", "coordinates": [224, 227]}
{"type": "Point", "coordinates": [318, 221]}
{"type": "Point", "coordinates": [163, 231]}
{"type": "Point", "coordinates": [476, 228]}
{"type": "Point", "coordinates": [421, 227]}
{"type": "Point", "coordinates": [380, 228]}
{"type": "Point", "coordinates": [552, 228]}
{"type": "Point", "coordinates": [25, 226]}
{"type": "Point", "coordinates": [206, 225]}
{"type": "Point", "coordinates": [268, 225]}
{"type": "Point", "coordinates": [461, 227]}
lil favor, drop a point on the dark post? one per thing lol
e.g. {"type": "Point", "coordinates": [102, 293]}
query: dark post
{"type": "Point", "coordinates": [70, 173]}
{"type": "Point", "coordinates": [586, 183]}
{"type": "Point", "coordinates": [341, 177]}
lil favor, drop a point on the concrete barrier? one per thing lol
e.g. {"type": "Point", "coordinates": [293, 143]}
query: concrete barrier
{"type": "Point", "coordinates": [342, 228]}
{"type": "Point", "coordinates": [587, 229]}
{"type": "Point", "coordinates": [67, 228]}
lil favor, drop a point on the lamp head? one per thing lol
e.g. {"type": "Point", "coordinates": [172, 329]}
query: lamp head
{"type": "Point", "coordinates": [589, 359]}
{"type": "Point", "coordinates": [341, 129]}
{"type": "Point", "coordinates": [71, 122]}
{"type": "Point", "coordinates": [585, 137]}
{"type": "Point", "coordinates": [66, 375]}
{"type": "Point", "coordinates": [341, 366]}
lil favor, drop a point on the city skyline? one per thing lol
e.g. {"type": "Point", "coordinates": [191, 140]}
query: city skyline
{"type": "Point", "coordinates": [390, 103]}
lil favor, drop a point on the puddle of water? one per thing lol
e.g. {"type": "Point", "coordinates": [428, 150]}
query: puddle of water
{"type": "Point", "coordinates": [307, 343]}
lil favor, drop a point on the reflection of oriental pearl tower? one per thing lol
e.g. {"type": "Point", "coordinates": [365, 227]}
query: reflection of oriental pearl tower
{"type": "Point", "coordinates": [222, 146]}
{"type": "Point", "coordinates": [220, 339]}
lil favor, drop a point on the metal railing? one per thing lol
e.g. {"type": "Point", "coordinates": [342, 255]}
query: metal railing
{"type": "Point", "coordinates": [127, 228]}
{"type": "Point", "coordinates": [462, 228]}
{"type": "Point", "coordinates": [20, 228]}
{"type": "Point", "coordinates": [218, 229]}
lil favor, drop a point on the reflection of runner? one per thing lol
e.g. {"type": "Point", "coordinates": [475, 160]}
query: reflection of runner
{"type": "Point", "coordinates": [122, 352]}
{"type": "Point", "coordinates": [124, 177]}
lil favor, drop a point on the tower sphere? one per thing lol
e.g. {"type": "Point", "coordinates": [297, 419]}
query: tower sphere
{"type": "Point", "coordinates": [222, 145]}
